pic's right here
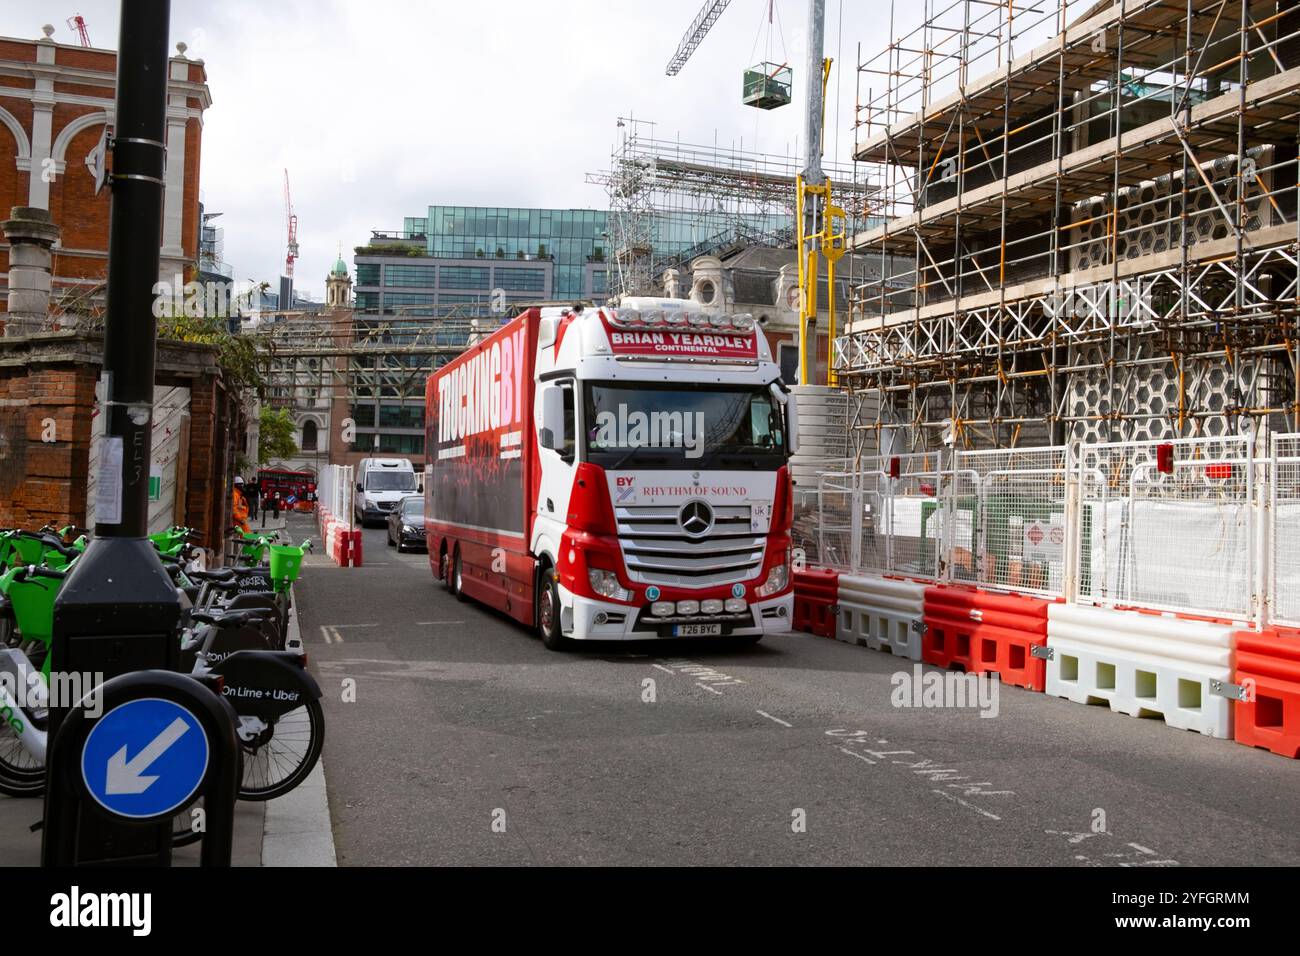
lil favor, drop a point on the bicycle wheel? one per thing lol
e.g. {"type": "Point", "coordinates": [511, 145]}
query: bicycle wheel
{"type": "Point", "coordinates": [21, 774]}
{"type": "Point", "coordinates": [282, 756]}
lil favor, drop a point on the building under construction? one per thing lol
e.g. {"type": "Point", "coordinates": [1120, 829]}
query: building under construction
{"type": "Point", "coordinates": [672, 202]}
{"type": "Point", "coordinates": [1087, 223]}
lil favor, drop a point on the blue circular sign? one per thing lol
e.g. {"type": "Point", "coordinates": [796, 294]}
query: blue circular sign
{"type": "Point", "coordinates": [737, 590]}
{"type": "Point", "coordinates": [145, 758]}
{"type": "Point", "coordinates": [652, 593]}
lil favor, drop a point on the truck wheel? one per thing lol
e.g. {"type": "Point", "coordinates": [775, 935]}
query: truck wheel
{"type": "Point", "coordinates": [548, 612]}
{"type": "Point", "coordinates": [457, 577]}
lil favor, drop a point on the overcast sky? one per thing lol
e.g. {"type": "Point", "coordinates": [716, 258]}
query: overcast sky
{"type": "Point", "coordinates": [379, 108]}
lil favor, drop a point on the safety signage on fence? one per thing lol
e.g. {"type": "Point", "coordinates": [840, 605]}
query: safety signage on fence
{"type": "Point", "coordinates": [1045, 540]}
{"type": "Point", "coordinates": [145, 758]}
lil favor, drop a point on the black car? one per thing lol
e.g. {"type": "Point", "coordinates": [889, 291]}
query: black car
{"type": "Point", "coordinates": [406, 524]}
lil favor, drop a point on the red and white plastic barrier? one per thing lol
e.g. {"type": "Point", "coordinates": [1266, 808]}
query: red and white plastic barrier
{"type": "Point", "coordinates": [885, 614]}
{"type": "Point", "coordinates": [1143, 665]}
{"type": "Point", "coordinates": [1268, 670]}
{"type": "Point", "coordinates": [816, 591]}
{"type": "Point", "coordinates": [984, 632]}
{"type": "Point", "coordinates": [336, 537]}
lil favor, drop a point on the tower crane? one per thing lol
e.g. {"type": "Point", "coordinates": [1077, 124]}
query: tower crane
{"type": "Point", "coordinates": [78, 23]}
{"type": "Point", "coordinates": [695, 33]}
{"type": "Point", "coordinates": [291, 227]}
{"type": "Point", "coordinates": [821, 224]}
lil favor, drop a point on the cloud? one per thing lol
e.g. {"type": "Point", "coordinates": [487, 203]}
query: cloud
{"type": "Point", "coordinates": [379, 108]}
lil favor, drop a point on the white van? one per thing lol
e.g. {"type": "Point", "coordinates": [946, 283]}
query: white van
{"type": "Point", "coordinates": [381, 484]}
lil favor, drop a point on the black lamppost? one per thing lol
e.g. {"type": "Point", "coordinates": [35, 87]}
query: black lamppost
{"type": "Point", "coordinates": [118, 610]}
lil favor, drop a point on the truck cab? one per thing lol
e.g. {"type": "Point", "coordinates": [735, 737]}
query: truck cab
{"type": "Point", "coordinates": [664, 504]}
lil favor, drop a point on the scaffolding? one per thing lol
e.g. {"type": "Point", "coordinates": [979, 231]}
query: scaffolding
{"type": "Point", "coordinates": [1086, 223]}
{"type": "Point", "coordinates": [309, 358]}
{"type": "Point", "coordinates": [671, 202]}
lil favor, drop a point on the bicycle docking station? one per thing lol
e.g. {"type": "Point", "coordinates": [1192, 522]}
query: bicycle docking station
{"type": "Point", "coordinates": [162, 741]}
{"type": "Point", "coordinates": [116, 613]}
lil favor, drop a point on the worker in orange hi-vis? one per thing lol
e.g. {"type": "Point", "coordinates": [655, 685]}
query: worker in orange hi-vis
{"type": "Point", "coordinates": [239, 506]}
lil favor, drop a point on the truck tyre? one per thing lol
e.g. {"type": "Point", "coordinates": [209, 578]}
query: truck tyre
{"type": "Point", "coordinates": [548, 612]}
{"type": "Point", "coordinates": [457, 577]}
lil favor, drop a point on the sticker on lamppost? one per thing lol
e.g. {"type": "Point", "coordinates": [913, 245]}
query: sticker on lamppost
{"type": "Point", "coordinates": [97, 159]}
{"type": "Point", "coordinates": [145, 758]}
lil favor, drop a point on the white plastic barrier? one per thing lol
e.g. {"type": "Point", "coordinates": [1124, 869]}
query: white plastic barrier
{"type": "Point", "coordinates": [1142, 665]}
{"type": "Point", "coordinates": [882, 614]}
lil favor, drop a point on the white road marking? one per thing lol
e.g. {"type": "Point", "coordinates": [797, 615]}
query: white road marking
{"type": "Point", "coordinates": [662, 668]}
{"type": "Point", "coordinates": [846, 750]}
{"type": "Point", "coordinates": [708, 688]}
{"type": "Point", "coordinates": [763, 713]}
{"type": "Point", "coordinates": [430, 623]}
{"type": "Point", "coordinates": [968, 805]}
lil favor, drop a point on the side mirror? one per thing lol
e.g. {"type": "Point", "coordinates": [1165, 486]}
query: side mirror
{"type": "Point", "coordinates": [360, 487]}
{"type": "Point", "coordinates": [551, 434]}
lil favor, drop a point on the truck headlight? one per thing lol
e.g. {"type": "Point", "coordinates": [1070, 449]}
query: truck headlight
{"type": "Point", "coordinates": [777, 578]}
{"type": "Point", "coordinates": [711, 606]}
{"type": "Point", "coordinates": [605, 583]}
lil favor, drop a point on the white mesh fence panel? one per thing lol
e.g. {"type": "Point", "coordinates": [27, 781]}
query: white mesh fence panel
{"type": "Point", "coordinates": [1014, 500]}
{"type": "Point", "coordinates": [1173, 534]}
{"type": "Point", "coordinates": [1284, 579]}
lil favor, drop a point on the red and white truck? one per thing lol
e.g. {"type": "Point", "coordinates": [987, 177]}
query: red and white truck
{"type": "Point", "coordinates": [606, 474]}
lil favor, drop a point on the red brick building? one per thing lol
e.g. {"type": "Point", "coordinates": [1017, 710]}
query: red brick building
{"type": "Point", "coordinates": [55, 100]}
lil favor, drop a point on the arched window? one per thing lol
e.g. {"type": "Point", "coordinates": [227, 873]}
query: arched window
{"type": "Point", "coordinates": [309, 436]}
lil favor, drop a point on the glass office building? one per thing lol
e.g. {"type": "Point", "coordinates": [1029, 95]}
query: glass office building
{"type": "Point", "coordinates": [575, 241]}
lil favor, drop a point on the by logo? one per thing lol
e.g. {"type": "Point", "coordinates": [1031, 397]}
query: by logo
{"type": "Point", "coordinates": [626, 488]}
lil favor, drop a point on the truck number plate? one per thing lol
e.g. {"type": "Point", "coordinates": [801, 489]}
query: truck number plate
{"type": "Point", "coordinates": [697, 630]}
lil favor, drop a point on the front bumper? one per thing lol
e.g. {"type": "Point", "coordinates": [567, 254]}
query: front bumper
{"type": "Point", "coordinates": [413, 539]}
{"type": "Point", "coordinates": [627, 622]}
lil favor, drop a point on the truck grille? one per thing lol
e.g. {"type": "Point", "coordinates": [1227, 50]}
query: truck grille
{"type": "Point", "coordinates": [658, 551]}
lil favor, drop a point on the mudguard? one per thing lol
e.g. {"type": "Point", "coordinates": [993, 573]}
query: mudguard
{"type": "Point", "coordinates": [266, 684]}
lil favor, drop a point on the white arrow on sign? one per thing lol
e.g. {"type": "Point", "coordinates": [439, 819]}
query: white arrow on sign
{"type": "Point", "coordinates": [125, 776]}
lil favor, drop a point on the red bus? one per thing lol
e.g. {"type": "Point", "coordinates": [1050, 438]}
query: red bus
{"type": "Point", "coordinates": [300, 486]}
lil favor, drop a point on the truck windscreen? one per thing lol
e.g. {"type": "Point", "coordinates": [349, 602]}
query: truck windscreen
{"type": "Point", "coordinates": [390, 481]}
{"type": "Point", "coordinates": [671, 426]}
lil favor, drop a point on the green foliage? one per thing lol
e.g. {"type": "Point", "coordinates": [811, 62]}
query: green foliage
{"type": "Point", "coordinates": [236, 354]}
{"type": "Point", "coordinates": [403, 249]}
{"type": "Point", "coordinates": [275, 437]}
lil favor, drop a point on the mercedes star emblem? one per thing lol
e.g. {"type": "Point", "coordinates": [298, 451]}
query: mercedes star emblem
{"type": "Point", "coordinates": [696, 518]}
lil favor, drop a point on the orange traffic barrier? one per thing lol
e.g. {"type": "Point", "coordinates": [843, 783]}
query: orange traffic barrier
{"type": "Point", "coordinates": [983, 632]}
{"type": "Point", "coordinates": [816, 592]}
{"type": "Point", "coordinates": [1268, 671]}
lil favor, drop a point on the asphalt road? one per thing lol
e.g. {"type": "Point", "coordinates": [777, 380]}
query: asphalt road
{"type": "Point", "coordinates": [469, 743]}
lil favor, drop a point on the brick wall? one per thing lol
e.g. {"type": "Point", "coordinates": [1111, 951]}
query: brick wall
{"type": "Point", "coordinates": [47, 391]}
